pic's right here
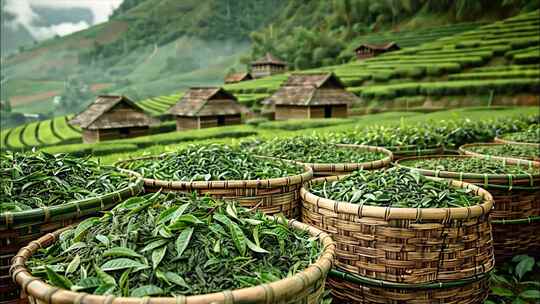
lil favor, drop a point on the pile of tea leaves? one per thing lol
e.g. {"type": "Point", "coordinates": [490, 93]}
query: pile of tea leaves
{"type": "Point", "coordinates": [510, 150]}
{"type": "Point", "coordinates": [311, 149]}
{"type": "Point", "coordinates": [469, 165]}
{"type": "Point", "coordinates": [530, 135]}
{"type": "Point", "coordinates": [213, 162]}
{"type": "Point", "coordinates": [174, 245]}
{"type": "Point", "coordinates": [395, 187]}
{"type": "Point", "coordinates": [36, 179]}
{"type": "Point", "coordinates": [421, 136]}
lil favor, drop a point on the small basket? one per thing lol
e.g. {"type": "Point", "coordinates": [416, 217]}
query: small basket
{"type": "Point", "coordinates": [19, 228]}
{"type": "Point", "coordinates": [271, 196]}
{"type": "Point", "coordinates": [465, 150]}
{"type": "Point", "coordinates": [516, 217]}
{"type": "Point", "coordinates": [325, 169]}
{"type": "Point", "coordinates": [305, 287]}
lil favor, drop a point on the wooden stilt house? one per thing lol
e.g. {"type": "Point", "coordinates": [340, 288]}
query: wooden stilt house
{"type": "Point", "coordinates": [204, 107]}
{"type": "Point", "coordinates": [365, 50]}
{"type": "Point", "coordinates": [267, 65]}
{"type": "Point", "coordinates": [238, 77]}
{"type": "Point", "coordinates": [305, 96]}
{"type": "Point", "coordinates": [112, 117]}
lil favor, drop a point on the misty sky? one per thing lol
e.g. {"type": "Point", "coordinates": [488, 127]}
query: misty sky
{"type": "Point", "coordinates": [26, 15]}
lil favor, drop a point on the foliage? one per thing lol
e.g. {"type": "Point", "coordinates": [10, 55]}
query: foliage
{"type": "Point", "coordinates": [516, 281]}
{"type": "Point", "coordinates": [395, 187]}
{"type": "Point", "coordinates": [470, 165]}
{"type": "Point", "coordinates": [212, 162]}
{"type": "Point", "coordinates": [174, 245]}
{"type": "Point", "coordinates": [35, 180]}
{"type": "Point", "coordinates": [310, 149]}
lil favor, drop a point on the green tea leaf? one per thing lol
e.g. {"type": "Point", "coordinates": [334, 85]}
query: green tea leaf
{"type": "Point", "coordinates": [530, 294]}
{"type": "Point", "coordinates": [157, 256]}
{"type": "Point", "coordinates": [183, 239]}
{"type": "Point", "coordinates": [146, 290]}
{"type": "Point", "coordinates": [176, 279]}
{"type": "Point", "coordinates": [155, 244]}
{"type": "Point", "coordinates": [121, 251]}
{"type": "Point", "coordinates": [104, 277]}
{"type": "Point", "coordinates": [73, 265]}
{"type": "Point", "coordinates": [83, 227]}
{"type": "Point", "coordinates": [525, 265]}
{"type": "Point", "coordinates": [502, 292]}
{"type": "Point", "coordinates": [57, 279]}
{"type": "Point", "coordinates": [121, 263]}
{"type": "Point", "coordinates": [255, 247]}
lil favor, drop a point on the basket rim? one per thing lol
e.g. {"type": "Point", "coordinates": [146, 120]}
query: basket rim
{"type": "Point", "coordinates": [482, 176]}
{"type": "Point", "coordinates": [307, 174]}
{"type": "Point", "coordinates": [258, 294]}
{"type": "Point", "coordinates": [397, 213]}
{"type": "Point", "coordinates": [347, 166]}
{"type": "Point", "coordinates": [11, 218]}
{"type": "Point", "coordinates": [464, 150]}
{"type": "Point", "coordinates": [499, 139]}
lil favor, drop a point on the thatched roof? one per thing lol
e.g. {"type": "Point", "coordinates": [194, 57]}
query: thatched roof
{"type": "Point", "coordinates": [390, 46]}
{"type": "Point", "coordinates": [93, 117]}
{"type": "Point", "coordinates": [268, 59]}
{"type": "Point", "coordinates": [207, 101]}
{"type": "Point", "coordinates": [237, 77]}
{"type": "Point", "coordinates": [312, 90]}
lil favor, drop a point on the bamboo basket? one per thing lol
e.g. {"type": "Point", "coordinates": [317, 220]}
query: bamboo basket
{"type": "Point", "coordinates": [506, 141]}
{"type": "Point", "coordinates": [403, 245]}
{"type": "Point", "coordinates": [355, 289]}
{"type": "Point", "coordinates": [465, 150]}
{"type": "Point", "coordinates": [325, 169]}
{"type": "Point", "coordinates": [17, 229]}
{"type": "Point", "coordinates": [516, 216]}
{"type": "Point", "coordinates": [271, 196]}
{"type": "Point", "coordinates": [305, 287]}
{"type": "Point", "coordinates": [400, 152]}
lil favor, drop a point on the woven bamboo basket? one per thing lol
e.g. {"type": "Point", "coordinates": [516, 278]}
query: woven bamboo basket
{"type": "Point", "coordinates": [325, 169]}
{"type": "Point", "coordinates": [404, 245]}
{"type": "Point", "coordinates": [305, 287]}
{"type": "Point", "coordinates": [400, 152]}
{"type": "Point", "coordinates": [516, 216]}
{"type": "Point", "coordinates": [17, 229]}
{"type": "Point", "coordinates": [506, 141]}
{"type": "Point", "coordinates": [355, 289]}
{"type": "Point", "coordinates": [271, 196]}
{"type": "Point", "coordinates": [466, 150]}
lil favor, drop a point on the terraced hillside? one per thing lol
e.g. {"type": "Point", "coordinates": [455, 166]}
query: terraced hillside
{"type": "Point", "coordinates": [41, 133]}
{"type": "Point", "coordinates": [488, 63]}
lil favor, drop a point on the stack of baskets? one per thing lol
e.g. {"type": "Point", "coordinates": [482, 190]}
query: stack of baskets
{"type": "Point", "coordinates": [516, 215]}
{"type": "Point", "coordinates": [404, 254]}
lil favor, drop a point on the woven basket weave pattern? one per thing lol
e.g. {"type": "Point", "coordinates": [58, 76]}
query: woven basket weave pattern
{"type": "Point", "coordinates": [407, 249]}
{"type": "Point", "coordinates": [271, 196]}
{"type": "Point", "coordinates": [521, 201]}
{"type": "Point", "coordinates": [305, 287]}
{"type": "Point", "coordinates": [345, 292]}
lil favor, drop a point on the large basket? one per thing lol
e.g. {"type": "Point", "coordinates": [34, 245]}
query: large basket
{"type": "Point", "coordinates": [506, 141]}
{"type": "Point", "coordinates": [271, 196]}
{"type": "Point", "coordinates": [465, 150]}
{"type": "Point", "coordinates": [516, 217]}
{"type": "Point", "coordinates": [325, 169]}
{"type": "Point", "coordinates": [404, 245]}
{"type": "Point", "coordinates": [305, 287]}
{"type": "Point", "coordinates": [17, 229]}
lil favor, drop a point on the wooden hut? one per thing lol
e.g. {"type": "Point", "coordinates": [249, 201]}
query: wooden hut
{"type": "Point", "coordinates": [306, 96]}
{"type": "Point", "coordinates": [205, 107]}
{"type": "Point", "coordinates": [238, 77]}
{"type": "Point", "coordinates": [112, 117]}
{"type": "Point", "coordinates": [365, 50]}
{"type": "Point", "coordinates": [267, 65]}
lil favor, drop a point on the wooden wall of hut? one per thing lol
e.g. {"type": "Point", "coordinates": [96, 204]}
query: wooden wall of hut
{"type": "Point", "coordinates": [284, 112]}
{"type": "Point", "coordinates": [92, 136]}
{"type": "Point", "coordinates": [187, 123]}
